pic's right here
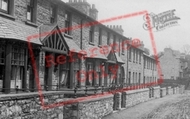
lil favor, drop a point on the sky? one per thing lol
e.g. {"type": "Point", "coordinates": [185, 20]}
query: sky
{"type": "Point", "coordinates": [174, 37]}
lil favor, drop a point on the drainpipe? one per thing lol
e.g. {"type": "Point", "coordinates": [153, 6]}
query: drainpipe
{"type": "Point", "coordinates": [81, 38]}
{"type": "Point", "coordinates": [127, 81]}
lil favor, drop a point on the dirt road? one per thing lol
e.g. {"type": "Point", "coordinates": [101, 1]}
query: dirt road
{"type": "Point", "coordinates": [170, 107]}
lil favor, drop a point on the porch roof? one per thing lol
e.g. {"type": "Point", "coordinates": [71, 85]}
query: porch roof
{"type": "Point", "coordinates": [95, 52]}
{"type": "Point", "coordinates": [47, 30]}
{"type": "Point", "coordinates": [18, 31]}
{"type": "Point", "coordinates": [118, 58]}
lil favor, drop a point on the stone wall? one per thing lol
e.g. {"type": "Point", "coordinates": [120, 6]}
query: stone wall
{"type": "Point", "coordinates": [181, 88]}
{"type": "Point", "coordinates": [156, 92]}
{"type": "Point", "coordinates": [117, 101]}
{"type": "Point", "coordinates": [174, 90]}
{"type": "Point", "coordinates": [95, 108]}
{"type": "Point", "coordinates": [28, 106]}
{"type": "Point", "coordinates": [162, 92]}
{"type": "Point", "coordinates": [133, 97]}
{"type": "Point", "coordinates": [169, 90]}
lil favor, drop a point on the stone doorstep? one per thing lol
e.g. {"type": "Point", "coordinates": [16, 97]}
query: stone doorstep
{"type": "Point", "coordinates": [115, 111]}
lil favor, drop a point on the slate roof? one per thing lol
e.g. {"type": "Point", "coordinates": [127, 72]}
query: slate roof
{"type": "Point", "coordinates": [73, 47]}
{"type": "Point", "coordinates": [95, 52]}
{"type": "Point", "coordinates": [118, 58]}
{"type": "Point", "coordinates": [18, 31]}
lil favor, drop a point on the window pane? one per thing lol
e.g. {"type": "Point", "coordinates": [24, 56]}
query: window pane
{"type": "Point", "coordinates": [4, 5]}
{"type": "Point", "coordinates": [17, 76]}
{"type": "Point", "coordinates": [29, 13]}
{"type": "Point", "coordinates": [1, 76]}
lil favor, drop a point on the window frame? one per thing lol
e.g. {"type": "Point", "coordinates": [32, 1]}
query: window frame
{"type": "Point", "coordinates": [130, 54]}
{"type": "Point", "coordinates": [68, 18]}
{"type": "Point", "coordinates": [134, 52]}
{"type": "Point", "coordinates": [8, 6]}
{"type": "Point", "coordinates": [32, 11]}
{"type": "Point", "coordinates": [10, 9]}
{"type": "Point", "coordinates": [100, 37]}
{"type": "Point", "coordinates": [108, 38]}
{"type": "Point", "coordinates": [53, 13]}
{"type": "Point", "coordinates": [91, 34]}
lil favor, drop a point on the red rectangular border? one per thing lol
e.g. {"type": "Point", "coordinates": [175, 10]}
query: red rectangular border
{"type": "Point", "coordinates": [29, 38]}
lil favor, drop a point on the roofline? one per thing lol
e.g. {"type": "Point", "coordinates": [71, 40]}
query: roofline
{"type": "Point", "coordinates": [148, 56]}
{"type": "Point", "coordinates": [75, 11]}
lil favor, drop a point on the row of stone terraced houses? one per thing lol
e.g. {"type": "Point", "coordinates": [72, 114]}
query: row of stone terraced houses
{"type": "Point", "coordinates": [68, 58]}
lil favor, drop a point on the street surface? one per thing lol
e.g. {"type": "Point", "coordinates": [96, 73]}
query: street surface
{"type": "Point", "coordinates": [170, 107]}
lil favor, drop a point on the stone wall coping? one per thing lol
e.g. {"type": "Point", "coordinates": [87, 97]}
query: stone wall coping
{"type": "Point", "coordinates": [136, 91]}
{"type": "Point", "coordinates": [164, 88]}
{"type": "Point", "coordinates": [96, 98]}
{"type": "Point", "coordinates": [28, 95]}
{"type": "Point", "coordinates": [157, 87]}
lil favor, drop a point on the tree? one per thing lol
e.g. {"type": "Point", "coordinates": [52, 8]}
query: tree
{"type": "Point", "coordinates": [186, 49]}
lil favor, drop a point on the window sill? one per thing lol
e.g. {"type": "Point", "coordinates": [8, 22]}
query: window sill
{"type": "Point", "coordinates": [31, 24]}
{"type": "Point", "coordinates": [7, 16]}
{"type": "Point", "coordinates": [100, 46]}
{"type": "Point", "coordinates": [91, 43]}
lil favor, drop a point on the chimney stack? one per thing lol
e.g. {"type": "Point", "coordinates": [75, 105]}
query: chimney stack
{"type": "Point", "coordinates": [94, 12]}
{"type": "Point", "coordinates": [117, 28]}
{"type": "Point", "coordinates": [84, 7]}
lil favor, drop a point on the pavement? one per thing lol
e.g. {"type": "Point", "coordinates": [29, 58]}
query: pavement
{"type": "Point", "coordinates": [175, 106]}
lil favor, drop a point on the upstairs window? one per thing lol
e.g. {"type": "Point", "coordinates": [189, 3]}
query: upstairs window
{"type": "Point", "coordinates": [108, 38]}
{"type": "Point", "coordinates": [4, 6]}
{"type": "Point", "coordinates": [139, 57]}
{"type": "Point", "coordinates": [100, 37]}
{"type": "Point", "coordinates": [114, 43]}
{"type": "Point", "coordinates": [122, 47]}
{"type": "Point", "coordinates": [53, 14]}
{"type": "Point", "coordinates": [67, 23]}
{"type": "Point", "coordinates": [91, 33]}
{"type": "Point", "coordinates": [31, 11]}
{"type": "Point", "coordinates": [145, 62]}
{"type": "Point", "coordinates": [134, 52]}
{"type": "Point", "coordinates": [130, 50]}
{"type": "Point", "coordinates": [137, 53]}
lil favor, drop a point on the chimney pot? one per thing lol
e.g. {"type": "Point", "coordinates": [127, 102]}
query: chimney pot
{"type": "Point", "coordinates": [84, 0]}
{"type": "Point", "coordinates": [93, 6]}
{"type": "Point", "coordinates": [80, 0]}
{"type": "Point", "coordinates": [75, 0]}
{"type": "Point", "coordinates": [120, 27]}
{"type": "Point", "coordinates": [70, 1]}
{"type": "Point", "coordinates": [110, 26]}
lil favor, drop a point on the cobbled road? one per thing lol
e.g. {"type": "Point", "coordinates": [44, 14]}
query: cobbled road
{"type": "Point", "coordinates": [170, 107]}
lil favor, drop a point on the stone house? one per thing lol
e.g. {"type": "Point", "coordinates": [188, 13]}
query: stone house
{"type": "Point", "coordinates": [172, 64]}
{"type": "Point", "coordinates": [68, 47]}
{"type": "Point", "coordinates": [150, 69]}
